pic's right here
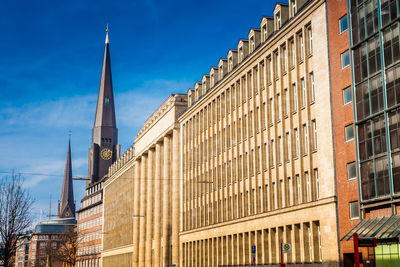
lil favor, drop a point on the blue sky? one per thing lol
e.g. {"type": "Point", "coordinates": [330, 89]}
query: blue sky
{"type": "Point", "coordinates": [51, 56]}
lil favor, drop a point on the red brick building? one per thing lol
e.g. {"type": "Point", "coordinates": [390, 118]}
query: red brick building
{"type": "Point", "coordinates": [343, 120]}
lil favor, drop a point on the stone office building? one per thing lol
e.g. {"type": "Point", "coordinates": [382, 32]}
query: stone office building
{"type": "Point", "coordinates": [257, 149]}
{"type": "Point", "coordinates": [141, 197]}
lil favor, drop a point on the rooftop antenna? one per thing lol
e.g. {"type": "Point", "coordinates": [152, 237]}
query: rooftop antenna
{"type": "Point", "coordinates": [50, 215]}
{"type": "Point", "coordinates": [49, 207]}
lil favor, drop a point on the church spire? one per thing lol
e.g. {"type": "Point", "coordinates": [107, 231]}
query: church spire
{"type": "Point", "coordinates": [105, 149]}
{"type": "Point", "coordinates": [105, 111]}
{"type": "Point", "coordinates": [66, 207]}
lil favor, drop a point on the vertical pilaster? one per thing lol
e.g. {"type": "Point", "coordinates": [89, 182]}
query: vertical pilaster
{"type": "Point", "coordinates": [166, 225]}
{"type": "Point", "coordinates": [136, 210]}
{"type": "Point", "coordinates": [142, 214]}
{"type": "Point", "coordinates": [175, 197]}
{"type": "Point", "coordinates": [157, 205]}
{"type": "Point", "coordinates": [150, 206]}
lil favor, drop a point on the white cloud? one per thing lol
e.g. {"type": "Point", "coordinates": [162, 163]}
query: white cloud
{"type": "Point", "coordinates": [35, 134]}
{"type": "Point", "coordinates": [65, 112]}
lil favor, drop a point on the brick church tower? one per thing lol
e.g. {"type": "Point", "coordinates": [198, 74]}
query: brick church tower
{"type": "Point", "coordinates": [105, 149]}
{"type": "Point", "coordinates": [103, 152]}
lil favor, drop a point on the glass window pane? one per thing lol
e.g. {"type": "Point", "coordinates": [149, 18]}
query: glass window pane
{"type": "Point", "coordinates": [376, 94]}
{"type": "Point", "coordinates": [343, 25]}
{"type": "Point", "coordinates": [362, 100]}
{"type": "Point", "coordinates": [394, 127]}
{"type": "Point", "coordinates": [382, 176]}
{"type": "Point", "coordinates": [354, 214]}
{"type": "Point", "coordinates": [396, 171]}
{"type": "Point", "coordinates": [379, 135]}
{"type": "Point", "coordinates": [349, 132]}
{"type": "Point", "coordinates": [367, 180]}
{"type": "Point", "coordinates": [346, 95]}
{"type": "Point", "coordinates": [351, 170]}
{"type": "Point", "coordinates": [345, 59]}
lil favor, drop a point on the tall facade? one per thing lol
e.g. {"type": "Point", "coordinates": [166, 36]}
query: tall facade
{"type": "Point", "coordinates": [103, 152]}
{"type": "Point", "coordinates": [66, 206]}
{"type": "Point", "coordinates": [376, 88]}
{"type": "Point", "coordinates": [343, 122]}
{"type": "Point", "coordinates": [257, 149]}
{"type": "Point", "coordinates": [141, 201]}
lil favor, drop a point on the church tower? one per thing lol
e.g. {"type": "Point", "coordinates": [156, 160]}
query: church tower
{"type": "Point", "coordinates": [105, 149]}
{"type": "Point", "coordinates": [66, 206]}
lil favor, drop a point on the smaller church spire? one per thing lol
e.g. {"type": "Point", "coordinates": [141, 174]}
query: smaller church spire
{"type": "Point", "coordinates": [66, 207]}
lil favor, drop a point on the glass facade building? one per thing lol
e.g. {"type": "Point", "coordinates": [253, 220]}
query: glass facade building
{"type": "Point", "coordinates": [376, 85]}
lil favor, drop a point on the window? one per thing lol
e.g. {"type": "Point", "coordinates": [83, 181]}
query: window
{"type": "Point", "coordinates": [301, 45]}
{"type": "Point", "coordinates": [351, 170]}
{"type": "Point", "coordinates": [280, 150]}
{"type": "Point", "coordinates": [349, 132]}
{"type": "Point", "coordinates": [307, 183]}
{"type": "Point", "coordinates": [345, 59]}
{"type": "Point", "coordinates": [347, 95]}
{"type": "Point", "coordinates": [293, 4]}
{"type": "Point", "coordinates": [278, 104]}
{"type": "Point", "coordinates": [316, 180]}
{"type": "Point", "coordinates": [271, 107]}
{"type": "Point", "coordinates": [283, 59]}
{"type": "Point", "coordinates": [343, 25]}
{"type": "Point", "coordinates": [278, 20]}
{"type": "Point", "coordinates": [294, 89]}
{"type": "Point", "coordinates": [275, 64]}
{"type": "Point", "coordinates": [305, 141]}
{"type": "Point", "coordinates": [314, 134]}
{"type": "Point", "coordinates": [354, 214]}
{"type": "Point", "coordinates": [298, 185]}
{"type": "Point", "coordinates": [297, 147]}
{"type": "Point", "coordinates": [265, 32]}
{"type": "Point", "coordinates": [312, 86]}
{"type": "Point", "coordinates": [303, 92]}
{"type": "Point", "coordinates": [309, 36]}
{"type": "Point", "coordinates": [391, 44]}
{"type": "Point", "coordinates": [292, 53]}
{"type": "Point", "coordinates": [388, 11]}
{"type": "Point", "coordinates": [287, 157]}
{"type": "Point", "coordinates": [272, 153]}
{"type": "Point", "coordinates": [287, 102]}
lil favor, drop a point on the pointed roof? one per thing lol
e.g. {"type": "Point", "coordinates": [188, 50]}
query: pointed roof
{"type": "Point", "coordinates": [67, 206]}
{"type": "Point", "coordinates": [105, 111]}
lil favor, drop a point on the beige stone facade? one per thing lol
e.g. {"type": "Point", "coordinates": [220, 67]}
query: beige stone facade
{"type": "Point", "coordinates": [141, 199]}
{"type": "Point", "coordinates": [257, 152]}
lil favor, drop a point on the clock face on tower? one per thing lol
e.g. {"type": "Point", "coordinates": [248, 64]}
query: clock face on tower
{"type": "Point", "coordinates": [106, 154]}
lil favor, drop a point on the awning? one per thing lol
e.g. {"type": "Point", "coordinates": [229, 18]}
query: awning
{"type": "Point", "coordinates": [385, 229]}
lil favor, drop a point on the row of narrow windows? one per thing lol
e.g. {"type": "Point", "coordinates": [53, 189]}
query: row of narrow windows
{"type": "Point", "coordinates": [237, 249]}
{"type": "Point", "coordinates": [284, 58]}
{"type": "Point", "coordinates": [263, 197]}
{"type": "Point", "coordinates": [245, 125]}
{"type": "Point", "coordinates": [289, 146]}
